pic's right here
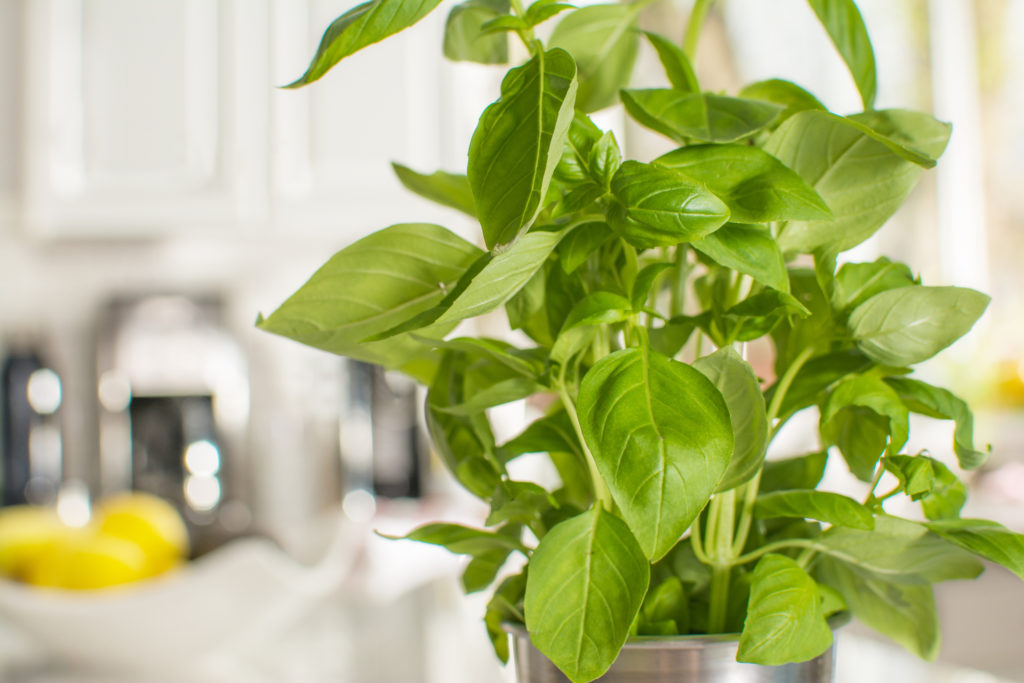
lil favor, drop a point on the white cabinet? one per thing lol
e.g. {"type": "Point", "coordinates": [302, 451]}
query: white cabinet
{"type": "Point", "coordinates": [10, 112]}
{"type": "Point", "coordinates": [134, 121]}
{"type": "Point", "coordinates": [163, 117]}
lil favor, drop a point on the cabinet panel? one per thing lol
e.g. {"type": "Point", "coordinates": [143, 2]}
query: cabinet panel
{"type": "Point", "coordinates": [135, 116]}
{"type": "Point", "coordinates": [10, 114]}
{"type": "Point", "coordinates": [334, 140]}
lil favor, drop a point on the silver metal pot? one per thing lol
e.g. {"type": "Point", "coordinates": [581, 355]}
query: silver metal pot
{"type": "Point", "coordinates": [680, 659]}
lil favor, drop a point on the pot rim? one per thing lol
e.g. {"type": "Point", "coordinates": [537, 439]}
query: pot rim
{"type": "Point", "coordinates": [680, 642]}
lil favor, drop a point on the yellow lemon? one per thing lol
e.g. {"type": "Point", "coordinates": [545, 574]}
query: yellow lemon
{"type": "Point", "coordinates": [150, 522]}
{"type": "Point", "coordinates": [27, 531]}
{"type": "Point", "coordinates": [86, 559]}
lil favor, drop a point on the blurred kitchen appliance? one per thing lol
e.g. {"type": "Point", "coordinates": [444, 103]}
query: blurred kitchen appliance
{"type": "Point", "coordinates": [31, 443]}
{"type": "Point", "coordinates": [174, 394]}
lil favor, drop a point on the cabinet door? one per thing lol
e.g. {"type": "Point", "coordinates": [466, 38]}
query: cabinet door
{"type": "Point", "coordinates": [333, 141]}
{"type": "Point", "coordinates": [137, 119]}
{"type": "Point", "coordinates": [10, 114]}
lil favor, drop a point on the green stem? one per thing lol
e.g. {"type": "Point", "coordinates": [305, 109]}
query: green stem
{"type": "Point", "coordinates": [719, 598]}
{"type": "Point", "coordinates": [772, 547]}
{"type": "Point", "coordinates": [696, 544]}
{"type": "Point", "coordinates": [720, 552]}
{"type": "Point", "coordinates": [747, 515]}
{"type": "Point", "coordinates": [700, 10]}
{"type": "Point", "coordinates": [785, 381]}
{"type": "Point", "coordinates": [526, 35]}
{"type": "Point", "coordinates": [601, 491]}
{"type": "Point", "coordinates": [677, 295]}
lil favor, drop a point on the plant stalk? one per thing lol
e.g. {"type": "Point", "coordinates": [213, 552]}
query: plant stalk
{"type": "Point", "coordinates": [720, 552]}
{"type": "Point", "coordinates": [601, 491]}
{"type": "Point", "coordinates": [693, 27]}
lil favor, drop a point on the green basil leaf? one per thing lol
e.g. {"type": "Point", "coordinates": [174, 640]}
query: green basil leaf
{"type": "Point", "coordinates": [662, 207]}
{"type": "Point", "coordinates": [444, 188]}
{"type": "Point", "coordinates": [698, 116]}
{"type": "Point", "coordinates": [748, 249]}
{"type": "Point", "coordinates": [370, 286]}
{"type": "Point", "coordinates": [899, 549]}
{"type": "Point", "coordinates": [520, 502]}
{"type": "Point", "coordinates": [544, 435]}
{"type": "Point", "coordinates": [844, 411]}
{"type": "Point", "coordinates": [845, 27]}
{"type": "Point", "coordinates": [463, 40]}
{"type": "Point", "coordinates": [907, 325]}
{"type": "Point", "coordinates": [542, 10]}
{"type": "Point", "coordinates": [915, 474]}
{"type": "Point", "coordinates": [987, 539]}
{"type": "Point", "coordinates": [605, 160]}
{"type": "Point", "coordinates": [644, 283]}
{"type": "Point", "coordinates": [362, 25]}
{"type": "Point", "coordinates": [904, 612]}
{"type": "Point", "coordinates": [677, 65]}
{"type": "Point", "coordinates": [580, 328]}
{"type": "Point", "coordinates": [660, 433]}
{"type": "Point", "coordinates": [482, 570]}
{"type": "Point", "coordinates": [500, 393]}
{"type": "Point", "coordinates": [503, 24]}
{"type": "Point", "coordinates": [789, 95]}
{"type": "Point", "coordinates": [759, 314]}
{"type": "Point", "coordinates": [603, 41]}
{"type": "Point", "coordinates": [518, 142]}
{"type": "Point", "coordinates": [515, 359]}
{"type": "Point", "coordinates": [574, 166]}
{"type": "Point", "coordinates": [785, 622]}
{"type": "Point", "coordinates": [504, 606]}
{"type": "Point", "coordinates": [491, 286]}
{"type": "Point", "coordinates": [855, 283]}
{"type": "Point", "coordinates": [795, 335]}
{"type": "Point", "coordinates": [802, 472]}
{"type": "Point", "coordinates": [861, 175]}
{"type": "Point", "coordinates": [947, 496]}
{"type": "Point", "coordinates": [587, 580]}
{"type": "Point", "coordinates": [581, 243]}
{"type": "Point", "coordinates": [461, 540]}
{"type": "Point", "coordinates": [823, 506]}
{"type": "Point", "coordinates": [739, 386]}
{"type": "Point", "coordinates": [666, 609]}
{"type": "Point", "coordinates": [757, 187]}
{"type": "Point", "coordinates": [670, 338]}
{"type": "Point", "coordinates": [925, 399]}
{"type": "Point", "coordinates": [464, 444]}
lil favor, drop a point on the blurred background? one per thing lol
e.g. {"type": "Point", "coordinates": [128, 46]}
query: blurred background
{"type": "Point", "coordinates": [157, 191]}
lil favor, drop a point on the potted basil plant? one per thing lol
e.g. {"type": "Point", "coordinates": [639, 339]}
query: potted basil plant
{"type": "Point", "coordinates": [638, 286]}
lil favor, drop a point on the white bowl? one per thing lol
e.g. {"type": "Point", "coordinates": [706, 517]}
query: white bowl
{"type": "Point", "coordinates": [226, 601]}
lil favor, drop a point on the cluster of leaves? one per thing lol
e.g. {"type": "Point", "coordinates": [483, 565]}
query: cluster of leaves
{"type": "Point", "coordinates": [668, 520]}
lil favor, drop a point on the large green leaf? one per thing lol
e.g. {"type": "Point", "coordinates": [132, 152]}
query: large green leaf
{"type": "Point", "coordinates": [370, 286]}
{"type": "Point", "coordinates": [660, 433]}
{"type": "Point", "coordinates": [444, 188]}
{"type": "Point", "coordinates": [363, 25]}
{"type": "Point", "coordinates": [483, 290]}
{"type": "Point", "coordinates": [603, 41]}
{"type": "Point", "coordinates": [903, 611]}
{"type": "Point", "coordinates": [586, 583]}
{"type": "Point", "coordinates": [855, 283]}
{"type": "Point", "coordinates": [748, 249]}
{"type": "Point", "coordinates": [843, 422]}
{"type": "Point", "coordinates": [789, 95]}
{"type": "Point", "coordinates": [990, 540]}
{"type": "Point", "coordinates": [518, 142]}
{"type": "Point", "coordinates": [662, 207]}
{"type": "Point", "coordinates": [907, 325]}
{"type": "Point", "coordinates": [785, 622]}
{"type": "Point", "coordinates": [862, 176]}
{"type": "Point", "coordinates": [698, 116]}
{"type": "Point", "coordinates": [463, 39]}
{"type": "Point", "coordinates": [823, 506]}
{"type": "Point", "coordinates": [846, 27]}
{"type": "Point", "coordinates": [900, 550]}
{"type": "Point", "coordinates": [582, 325]}
{"type": "Point", "coordinates": [738, 384]}
{"type": "Point", "coordinates": [803, 472]}
{"type": "Point", "coordinates": [755, 186]}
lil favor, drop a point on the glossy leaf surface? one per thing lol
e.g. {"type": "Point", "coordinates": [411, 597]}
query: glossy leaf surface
{"type": "Point", "coordinates": [586, 583]}
{"type": "Point", "coordinates": [661, 207]}
{"type": "Point", "coordinates": [842, 421]}
{"type": "Point", "coordinates": [785, 622]}
{"type": "Point", "coordinates": [755, 186]}
{"type": "Point", "coordinates": [907, 325]}
{"type": "Point", "coordinates": [748, 249]}
{"type": "Point", "coordinates": [660, 433]}
{"type": "Point", "coordinates": [363, 25]}
{"type": "Point", "coordinates": [698, 116]}
{"type": "Point", "coordinates": [990, 540]}
{"type": "Point", "coordinates": [824, 506]}
{"type": "Point", "coordinates": [738, 384]}
{"type": "Point", "coordinates": [518, 142]}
